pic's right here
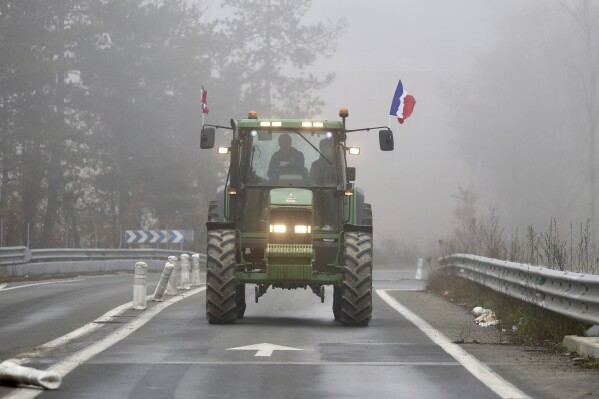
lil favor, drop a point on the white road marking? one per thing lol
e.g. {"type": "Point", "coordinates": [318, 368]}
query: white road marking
{"type": "Point", "coordinates": [478, 369]}
{"type": "Point", "coordinates": [67, 365]}
{"type": "Point", "coordinates": [43, 283]}
{"type": "Point", "coordinates": [2, 286]}
{"type": "Point", "coordinates": [81, 331]}
{"type": "Point", "coordinates": [264, 349]}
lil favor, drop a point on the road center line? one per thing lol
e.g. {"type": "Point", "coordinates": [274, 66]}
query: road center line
{"type": "Point", "coordinates": [67, 365]}
{"type": "Point", "coordinates": [478, 369]}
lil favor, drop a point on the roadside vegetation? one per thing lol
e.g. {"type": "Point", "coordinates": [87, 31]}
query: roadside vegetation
{"type": "Point", "coordinates": [571, 249]}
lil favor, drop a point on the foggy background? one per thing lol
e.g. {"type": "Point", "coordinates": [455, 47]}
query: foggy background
{"type": "Point", "coordinates": [505, 119]}
{"type": "Point", "coordinates": [506, 97]}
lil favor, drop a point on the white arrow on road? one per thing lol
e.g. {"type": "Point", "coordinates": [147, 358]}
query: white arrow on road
{"type": "Point", "coordinates": [264, 349]}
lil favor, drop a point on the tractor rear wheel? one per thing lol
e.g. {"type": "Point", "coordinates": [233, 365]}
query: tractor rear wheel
{"type": "Point", "coordinates": [356, 293]}
{"type": "Point", "coordinates": [221, 295]}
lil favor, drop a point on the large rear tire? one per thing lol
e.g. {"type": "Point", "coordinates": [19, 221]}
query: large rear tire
{"type": "Point", "coordinates": [356, 293]}
{"type": "Point", "coordinates": [221, 295]}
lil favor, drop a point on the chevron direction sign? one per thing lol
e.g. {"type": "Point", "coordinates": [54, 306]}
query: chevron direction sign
{"type": "Point", "coordinates": [158, 236]}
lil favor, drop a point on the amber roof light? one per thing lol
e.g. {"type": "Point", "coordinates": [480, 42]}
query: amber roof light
{"type": "Point", "coordinates": [343, 112]}
{"type": "Point", "coordinates": [252, 115]}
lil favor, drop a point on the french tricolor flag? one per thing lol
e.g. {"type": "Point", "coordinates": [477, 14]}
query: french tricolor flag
{"type": "Point", "coordinates": [402, 104]}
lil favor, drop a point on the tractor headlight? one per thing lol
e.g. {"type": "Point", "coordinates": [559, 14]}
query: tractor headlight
{"type": "Point", "coordinates": [278, 228]}
{"type": "Point", "coordinates": [303, 229]}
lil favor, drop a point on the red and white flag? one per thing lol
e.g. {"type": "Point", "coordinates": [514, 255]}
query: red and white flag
{"type": "Point", "coordinates": [204, 100]}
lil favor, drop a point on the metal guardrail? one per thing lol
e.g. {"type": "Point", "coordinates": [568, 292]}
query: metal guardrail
{"type": "Point", "coordinates": [571, 294]}
{"type": "Point", "coordinates": [22, 255]}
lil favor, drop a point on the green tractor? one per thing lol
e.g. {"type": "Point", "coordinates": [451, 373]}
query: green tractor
{"type": "Point", "coordinates": [289, 216]}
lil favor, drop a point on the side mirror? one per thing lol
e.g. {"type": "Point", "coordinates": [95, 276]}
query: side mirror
{"type": "Point", "coordinates": [350, 172]}
{"type": "Point", "coordinates": [386, 140]}
{"type": "Point", "coordinates": [207, 138]}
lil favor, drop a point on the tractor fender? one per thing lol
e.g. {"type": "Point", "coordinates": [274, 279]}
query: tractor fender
{"type": "Point", "coordinates": [359, 205]}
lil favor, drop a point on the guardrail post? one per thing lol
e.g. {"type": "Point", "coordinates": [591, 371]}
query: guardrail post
{"type": "Point", "coordinates": [419, 269]}
{"type": "Point", "coordinates": [195, 269]}
{"type": "Point", "coordinates": [185, 269]}
{"type": "Point", "coordinates": [16, 374]}
{"type": "Point", "coordinates": [140, 286]}
{"type": "Point", "coordinates": [161, 287]}
{"type": "Point", "coordinates": [171, 288]}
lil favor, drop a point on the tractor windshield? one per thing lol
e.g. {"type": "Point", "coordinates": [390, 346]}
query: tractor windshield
{"type": "Point", "coordinates": [290, 158]}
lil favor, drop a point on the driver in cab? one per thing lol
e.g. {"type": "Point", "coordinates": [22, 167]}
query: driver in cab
{"type": "Point", "coordinates": [286, 160]}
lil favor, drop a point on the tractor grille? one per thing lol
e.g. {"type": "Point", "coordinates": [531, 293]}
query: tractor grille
{"type": "Point", "coordinates": [289, 250]}
{"type": "Point", "coordinates": [289, 272]}
{"type": "Point", "coordinates": [289, 261]}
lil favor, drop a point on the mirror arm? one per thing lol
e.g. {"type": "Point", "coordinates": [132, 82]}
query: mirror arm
{"type": "Point", "coordinates": [367, 129]}
{"type": "Point", "coordinates": [218, 126]}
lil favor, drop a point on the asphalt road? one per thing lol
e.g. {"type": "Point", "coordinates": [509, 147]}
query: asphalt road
{"type": "Point", "coordinates": [176, 353]}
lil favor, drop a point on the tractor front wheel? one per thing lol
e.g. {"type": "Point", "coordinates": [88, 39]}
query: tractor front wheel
{"type": "Point", "coordinates": [356, 293]}
{"type": "Point", "coordinates": [221, 290]}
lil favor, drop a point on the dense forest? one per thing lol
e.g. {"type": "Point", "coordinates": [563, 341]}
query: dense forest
{"type": "Point", "coordinates": [100, 107]}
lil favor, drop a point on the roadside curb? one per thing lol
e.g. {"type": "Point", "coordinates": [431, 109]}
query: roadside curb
{"type": "Point", "coordinates": [584, 346]}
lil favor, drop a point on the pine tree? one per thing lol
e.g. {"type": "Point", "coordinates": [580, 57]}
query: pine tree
{"type": "Point", "coordinates": [271, 49]}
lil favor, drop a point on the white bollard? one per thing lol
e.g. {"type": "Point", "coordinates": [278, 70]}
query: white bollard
{"type": "Point", "coordinates": [14, 373]}
{"type": "Point", "coordinates": [161, 287]}
{"type": "Point", "coordinates": [195, 269]}
{"type": "Point", "coordinates": [419, 269]}
{"type": "Point", "coordinates": [185, 269]}
{"type": "Point", "coordinates": [171, 288]}
{"type": "Point", "coordinates": [140, 286]}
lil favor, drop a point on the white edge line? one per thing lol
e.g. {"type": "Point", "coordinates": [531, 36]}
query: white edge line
{"type": "Point", "coordinates": [67, 365]}
{"type": "Point", "coordinates": [481, 371]}
{"type": "Point", "coordinates": [2, 286]}
{"type": "Point", "coordinates": [45, 282]}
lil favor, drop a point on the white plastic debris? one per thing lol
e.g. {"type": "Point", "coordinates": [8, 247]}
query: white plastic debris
{"type": "Point", "coordinates": [487, 318]}
{"type": "Point", "coordinates": [13, 373]}
{"type": "Point", "coordinates": [477, 311]}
